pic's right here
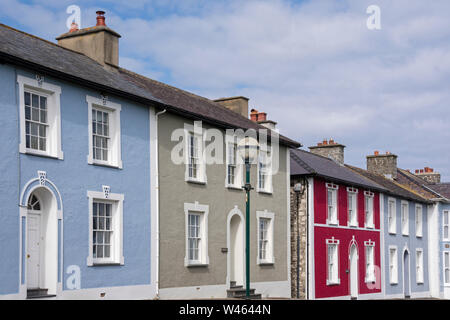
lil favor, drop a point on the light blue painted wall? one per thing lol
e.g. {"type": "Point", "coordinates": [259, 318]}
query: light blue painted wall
{"type": "Point", "coordinates": [411, 242]}
{"type": "Point", "coordinates": [442, 244]}
{"type": "Point", "coordinates": [73, 176]}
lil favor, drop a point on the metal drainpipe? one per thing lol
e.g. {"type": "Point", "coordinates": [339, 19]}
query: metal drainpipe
{"type": "Point", "coordinates": [157, 199]}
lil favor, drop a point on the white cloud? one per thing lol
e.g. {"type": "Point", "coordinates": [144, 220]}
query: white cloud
{"type": "Point", "coordinates": [313, 66]}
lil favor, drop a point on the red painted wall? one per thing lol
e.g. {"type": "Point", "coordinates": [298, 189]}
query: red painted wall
{"type": "Point", "coordinates": [345, 236]}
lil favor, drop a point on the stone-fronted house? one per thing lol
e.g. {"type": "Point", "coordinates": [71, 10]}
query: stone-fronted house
{"type": "Point", "coordinates": [339, 227]}
{"type": "Point", "coordinates": [406, 232]}
{"type": "Point", "coordinates": [96, 206]}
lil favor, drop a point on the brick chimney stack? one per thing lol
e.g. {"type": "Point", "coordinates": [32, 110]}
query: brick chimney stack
{"type": "Point", "coordinates": [383, 164]}
{"type": "Point", "coordinates": [329, 149]}
{"type": "Point", "coordinates": [99, 43]}
{"type": "Point", "coordinates": [429, 175]}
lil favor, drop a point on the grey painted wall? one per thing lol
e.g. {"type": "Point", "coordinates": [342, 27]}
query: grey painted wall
{"type": "Point", "coordinates": [174, 192]}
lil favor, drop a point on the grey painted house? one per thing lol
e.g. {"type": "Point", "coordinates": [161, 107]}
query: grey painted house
{"type": "Point", "coordinates": [406, 232]}
{"type": "Point", "coordinates": [202, 206]}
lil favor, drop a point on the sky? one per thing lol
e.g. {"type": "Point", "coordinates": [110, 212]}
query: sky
{"type": "Point", "coordinates": [313, 66]}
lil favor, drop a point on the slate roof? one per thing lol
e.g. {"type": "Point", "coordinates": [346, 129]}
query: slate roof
{"type": "Point", "coordinates": [393, 187]}
{"type": "Point", "coordinates": [426, 189]}
{"type": "Point", "coordinates": [441, 188]}
{"type": "Point", "coordinates": [23, 49]}
{"type": "Point", "coordinates": [304, 163]}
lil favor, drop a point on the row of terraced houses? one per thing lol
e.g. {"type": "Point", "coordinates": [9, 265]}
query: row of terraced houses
{"type": "Point", "coordinates": [108, 192]}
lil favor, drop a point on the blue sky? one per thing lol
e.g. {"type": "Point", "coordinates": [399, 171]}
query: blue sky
{"type": "Point", "coordinates": [313, 66]}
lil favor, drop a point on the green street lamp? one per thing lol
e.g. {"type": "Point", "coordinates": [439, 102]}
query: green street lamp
{"type": "Point", "coordinates": [248, 151]}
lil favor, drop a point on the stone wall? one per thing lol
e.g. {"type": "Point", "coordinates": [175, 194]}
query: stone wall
{"type": "Point", "coordinates": [298, 226]}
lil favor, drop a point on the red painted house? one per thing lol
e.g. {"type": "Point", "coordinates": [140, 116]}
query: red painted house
{"type": "Point", "coordinates": [343, 217]}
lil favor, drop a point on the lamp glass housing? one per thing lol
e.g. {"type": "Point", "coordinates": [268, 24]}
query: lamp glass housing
{"type": "Point", "coordinates": [248, 149]}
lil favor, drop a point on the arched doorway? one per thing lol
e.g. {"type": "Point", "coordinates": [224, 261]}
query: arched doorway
{"type": "Point", "coordinates": [406, 275]}
{"type": "Point", "coordinates": [41, 243]}
{"type": "Point", "coordinates": [236, 248]}
{"type": "Point", "coordinates": [353, 271]}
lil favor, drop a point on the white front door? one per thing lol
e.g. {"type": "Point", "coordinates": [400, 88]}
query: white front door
{"type": "Point", "coordinates": [353, 272]}
{"type": "Point", "coordinates": [237, 250]}
{"type": "Point", "coordinates": [33, 250]}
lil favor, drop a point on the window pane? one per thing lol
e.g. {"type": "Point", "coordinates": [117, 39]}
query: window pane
{"type": "Point", "coordinates": [107, 251]}
{"type": "Point", "coordinates": [27, 98]}
{"type": "Point", "coordinates": [35, 101]}
{"type": "Point", "coordinates": [27, 113]}
{"type": "Point", "coordinates": [43, 104]}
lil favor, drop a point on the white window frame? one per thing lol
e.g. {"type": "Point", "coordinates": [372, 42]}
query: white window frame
{"type": "Point", "coordinates": [270, 256]}
{"type": "Point", "coordinates": [370, 270]}
{"type": "Point", "coordinates": [203, 212]}
{"type": "Point", "coordinates": [115, 153]}
{"type": "Point", "coordinates": [419, 220]}
{"type": "Point", "coordinates": [53, 94]}
{"type": "Point", "coordinates": [393, 265]}
{"type": "Point", "coordinates": [444, 253]}
{"type": "Point", "coordinates": [446, 225]}
{"type": "Point", "coordinates": [404, 219]}
{"type": "Point", "coordinates": [333, 218]}
{"type": "Point", "coordinates": [268, 187]}
{"type": "Point", "coordinates": [392, 216]}
{"type": "Point", "coordinates": [190, 130]}
{"type": "Point", "coordinates": [369, 211]}
{"type": "Point", "coordinates": [352, 192]}
{"type": "Point", "coordinates": [238, 167]}
{"type": "Point", "coordinates": [116, 200]}
{"type": "Point", "coordinates": [419, 266]}
{"type": "Point", "coordinates": [337, 280]}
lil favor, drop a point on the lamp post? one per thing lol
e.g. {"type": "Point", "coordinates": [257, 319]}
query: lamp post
{"type": "Point", "coordinates": [299, 189]}
{"type": "Point", "coordinates": [248, 151]}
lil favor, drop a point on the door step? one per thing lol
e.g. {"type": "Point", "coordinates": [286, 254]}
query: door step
{"type": "Point", "coordinates": [39, 294]}
{"type": "Point", "coordinates": [238, 292]}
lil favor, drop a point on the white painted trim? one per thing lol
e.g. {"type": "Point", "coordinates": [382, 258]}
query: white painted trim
{"type": "Point", "coordinates": [115, 152]}
{"type": "Point", "coordinates": [334, 189]}
{"type": "Point", "coordinates": [404, 202]}
{"type": "Point", "coordinates": [266, 215]}
{"type": "Point", "coordinates": [396, 262]}
{"type": "Point", "coordinates": [310, 266]}
{"type": "Point", "coordinates": [446, 284]}
{"type": "Point", "coordinates": [154, 203]}
{"type": "Point", "coordinates": [345, 227]}
{"type": "Point", "coordinates": [443, 213]}
{"type": "Point", "coordinates": [336, 243]}
{"type": "Point", "coordinates": [433, 250]}
{"type": "Point", "coordinates": [117, 200]}
{"type": "Point", "coordinates": [418, 234]}
{"type": "Point", "coordinates": [200, 133]}
{"type": "Point", "coordinates": [382, 244]}
{"type": "Point", "coordinates": [231, 214]}
{"type": "Point", "coordinates": [422, 266]}
{"type": "Point", "coordinates": [204, 211]}
{"type": "Point", "coordinates": [53, 94]}
{"type": "Point", "coordinates": [391, 199]}
{"type": "Point", "coordinates": [238, 177]}
{"type": "Point", "coordinates": [369, 195]}
{"type": "Point", "coordinates": [269, 182]}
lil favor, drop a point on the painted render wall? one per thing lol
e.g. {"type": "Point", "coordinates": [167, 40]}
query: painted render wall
{"type": "Point", "coordinates": [345, 235]}
{"type": "Point", "coordinates": [401, 242]}
{"type": "Point", "coordinates": [73, 176]}
{"type": "Point", "coordinates": [444, 246]}
{"type": "Point", "coordinates": [174, 192]}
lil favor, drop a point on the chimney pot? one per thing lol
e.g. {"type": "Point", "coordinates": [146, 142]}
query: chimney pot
{"type": "Point", "coordinates": [101, 18]}
{"type": "Point", "coordinates": [417, 171]}
{"type": "Point", "coordinates": [262, 116]}
{"type": "Point", "coordinates": [377, 153]}
{"type": "Point", "coordinates": [254, 115]}
{"type": "Point", "coordinates": [331, 141]}
{"type": "Point", "coordinates": [73, 27]}
{"type": "Point", "coordinates": [325, 142]}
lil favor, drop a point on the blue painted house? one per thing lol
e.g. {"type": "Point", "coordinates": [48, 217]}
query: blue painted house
{"type": "Point", "coordinates": [405, 267]}
{"type": "Point", "coordinates": [427, 182]}
{"type": "Point", "coordinates": [77, 166]}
